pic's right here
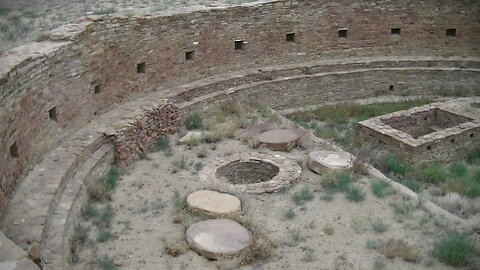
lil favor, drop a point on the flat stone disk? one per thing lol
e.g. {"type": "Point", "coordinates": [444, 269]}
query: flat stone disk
{"type": "Point", "coordinates": [214, 238]}
{"type": "Point", "coordinates": [323, 161]}
{"type": "Point", "coordinates": [279, 139]}
{"type": "Point", "coordinates": [213, 202]}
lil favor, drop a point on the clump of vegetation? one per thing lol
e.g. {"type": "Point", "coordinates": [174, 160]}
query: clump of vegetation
{"type": "Point", "coordinates": [392, 165]}
{"type": "Point", "coordinates": [193, 121]}
{"type": "Point", "coordinates": [175, 248]}
{"type": "Point", "coordinates": [455, 249]}
{"type": "Point", "coordinates": [412, 184]}
{"type": "Point", "coordinates": [433, 173]}
{"type": "Point", "coordinates": [104, 235]}
{"type": "Point", "coordinates": [355, 194]}
{"type": "Point", "coordinates": [289, 214]}
{"type": "Point", "coordinates": [399, 248]}
{"type": "Point", "coordinates": [379, 226]}
{"type": "Point", "coordinates": [102, 189]}
{"type": "Point", "coordinates": [381, 188]}
{"type": "Point", "coordinates": [473, 157]}
{"type": "Point", "coordinates": [105, 217]}
{"type": "Point", "coordinates": [379, 263]}
{"type": "Point", "coordinates": [162, 144]}
{"type": "Point", "coordinates": [302, 196]}
{"type": "Point", "coordinates": [458, 170]}
{"type": "Point", "coordinates": [329, 230]}
{"type": "Point", "coordinates": [309, 254]}
{"type": "Point", "coordinates": [180, 164]}
{"type": "Point", "coordinates": [106, 263]}
{"type": "Point", "coordinates": [179, 201]}
{"type": "Point", "coordinates": [89, 210]}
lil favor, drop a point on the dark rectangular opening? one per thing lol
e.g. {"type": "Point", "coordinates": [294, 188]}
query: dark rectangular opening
{"type": "Point", "coordinates": [14, 150]}
{"type": "Point", "coordinates": [97, 89]}
{"type": "Point", "coordinates": [189, 55]}
{"type": "Point", "coordinates": [395, 31]}
{"type": "Point", "coordinates": [52, 113]}
{"type": "Point", "coordinates": [451, 32]}
{"type": "Point", "coordinates": [390, 87]}
{"type": "Point", "coordinates": [238, 44]}
{"type": "Point", "coordinates": [342, 33]}
{"type": "Point", "coordinates": [141, 67]}
{"type": "Point", "coordinates": [290, 37]}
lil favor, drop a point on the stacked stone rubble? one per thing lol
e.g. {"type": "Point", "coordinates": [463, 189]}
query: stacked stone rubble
{"type": "Point", "coordinates": [137, 134]}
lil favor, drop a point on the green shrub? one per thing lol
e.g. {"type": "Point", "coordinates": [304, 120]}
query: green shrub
{"type": "Point", "coordinates": [289, 214]}
{"type": "Point", "coordinates": [104, 236]}
{"type": "Point", "coordinates": [194, 121]}
{"type": "Point", "coordinates": [80, 236]}
{"type": "Point", "coordinates": [106, 263]}
{"type": "Point", "coordinates": [344, 182]}
{"type": "Point", "coordinates": [89, 210]}
{"type": "Point", "coordinates": [330, 179]}
{"type": "Point", "coordinates": [379, 226]}
{"type": "Point", "coordinates": [111, 179]}
{"type": "Point", "coordinates": [454, 249]}
{"type": "Point", "coordinates": [393, 165]}
{"type": "Point", "coordinates": [105, 217]}
{"type": "Point", "coordinates": [179, 201]}
{"type": "Point", "coordinates": [162, 144]}
{"type": "Point", "coordinates": [355, 194]}
{"type": "Point", "coordinates": [458, 170]}
{"type": "Point", "coordinates": [381, 188]}
{"type": "Point", "coordinates": [473, 157]}
{"type": "Point", "coordinates": [412, 184]}
{"type": "Point", "coordinates": [433, 173]}
{"type": "Point", "coordinates": [302, 196]}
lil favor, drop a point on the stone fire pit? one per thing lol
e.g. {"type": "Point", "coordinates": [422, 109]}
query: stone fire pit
{"type": "Point", "coordinates": [252, 172]}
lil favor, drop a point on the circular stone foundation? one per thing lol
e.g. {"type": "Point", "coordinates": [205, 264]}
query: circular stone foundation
{"type": "Point", "coordinates": [323, 161]}
{"type": "Point", "coordinates": [215, 238]}
{"type": "Point", "coordinates": [252, 172]}
{"type": "Point", "coordinates": [279, 139]}
{"type": "Point", "coordinates": [247, 172]}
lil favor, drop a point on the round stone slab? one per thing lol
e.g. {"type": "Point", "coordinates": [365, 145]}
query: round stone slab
{"type": "Point", "coordinates": [279, 139]}
{"type": "Point", "coordinates": [215, 238]}
{"type": "Point", "coordinates": [213, 202]}
{"type": "Point", "coordinates": [323, 161]}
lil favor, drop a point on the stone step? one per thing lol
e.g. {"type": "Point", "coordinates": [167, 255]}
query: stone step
{"type": "Point", "coordinates": [13, 257]}
{"type": "Point", "coordinates": [29, 208]}
{"type": "Point", "coordinates": [59, 223]}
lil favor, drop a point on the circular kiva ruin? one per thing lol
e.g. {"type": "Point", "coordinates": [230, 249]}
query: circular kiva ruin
{"type": "Point", "coordinates": [103, 91]}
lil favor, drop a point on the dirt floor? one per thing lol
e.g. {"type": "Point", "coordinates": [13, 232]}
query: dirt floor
{"type": "Point", "coordinates": [22, 21]}
{"type": "Point", "coordinates": [149, 226]}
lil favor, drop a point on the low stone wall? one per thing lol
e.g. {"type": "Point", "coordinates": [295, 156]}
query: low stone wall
{"type": "Point", "coordinates": [451, 141]}
{"type": "Point", "coordinates": [136, 134]}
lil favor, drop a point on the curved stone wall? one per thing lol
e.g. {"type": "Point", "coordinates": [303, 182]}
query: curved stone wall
{"type": "Point", "coordinates": [50, 89]}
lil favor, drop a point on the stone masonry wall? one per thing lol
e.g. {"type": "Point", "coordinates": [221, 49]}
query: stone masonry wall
{"type": "Point", "coordinates": [135, 135]}
{"type": "Point", "coordinates": [50, 89]}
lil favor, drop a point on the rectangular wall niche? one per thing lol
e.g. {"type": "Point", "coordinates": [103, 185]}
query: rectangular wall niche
{"type": "Point", "coordinates": [189, 55]}
{"type": "Point", "coordinates": [395, 31]}
{"type": "Point", "coordinates": [52, 113]}
{"type": "Point", "coordinates": [14, 150]}
{"type": "Point", "coordinates": [238, 45]}
{"type": "Point", "coordinates": [290, 37]}
{"type": "Point", "coordinates": [97, 89]}
{"type": "Point", "coordinates": [451, 32]}
{"type": "Point", "coordinates": [141, 67]}
{"type": "Point", "coordinates": [342, 33]}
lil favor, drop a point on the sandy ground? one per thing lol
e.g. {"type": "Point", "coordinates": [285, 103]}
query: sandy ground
{"type": "Point", "coordinates": [22, 21]}
{"type": "Point", "coordinates": [145, 212]}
